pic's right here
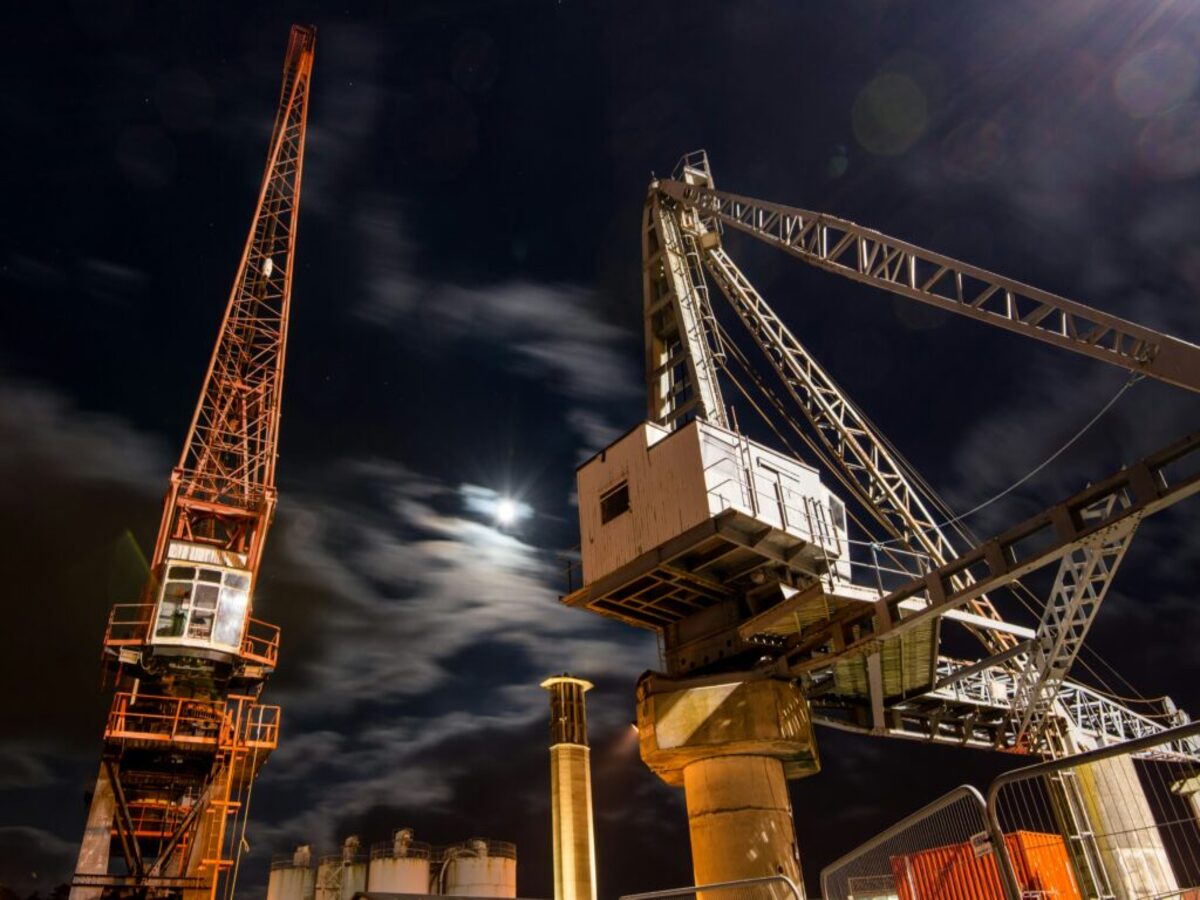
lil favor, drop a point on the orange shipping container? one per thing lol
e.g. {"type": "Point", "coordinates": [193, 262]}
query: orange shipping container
{"type": "Point", "coordinates": [954, 872]}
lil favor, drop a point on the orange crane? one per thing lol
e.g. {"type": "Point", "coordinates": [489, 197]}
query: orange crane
{"type": "Point", "coordinates": [186, 735]}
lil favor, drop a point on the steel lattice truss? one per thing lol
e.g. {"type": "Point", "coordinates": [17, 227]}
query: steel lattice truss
{"type": "Point", "coordinates": [224, 485]}
{"type": "Point", "coordinates": [680, 355]}
{"type": "Point", "coordinates": [884, 262]}
{"type": "Point", "coordinates": [186, 737]}
{"type": "Point", "coordinates": [1025, 685]}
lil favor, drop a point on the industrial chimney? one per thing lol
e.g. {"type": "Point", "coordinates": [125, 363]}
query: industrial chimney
{"type": "Point", "coordinates": [571, 790]}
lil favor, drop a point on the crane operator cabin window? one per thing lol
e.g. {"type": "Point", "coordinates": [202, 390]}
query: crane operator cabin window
{"type": "Point", "coordinates": [202, 605]}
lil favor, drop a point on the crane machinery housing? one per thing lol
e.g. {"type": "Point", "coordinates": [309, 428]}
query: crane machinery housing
{"type": "Point", "coordinates": [185, 735]}
{"type": "Point", "coordinates": [780, 602]}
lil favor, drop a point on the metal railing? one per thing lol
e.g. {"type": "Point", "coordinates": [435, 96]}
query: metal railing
{"type": "Point", "coordinates": [261, 642]}
{"type": "Point", "coordinates": [129, 625]}
{"type": "Point", "coordinates": [472, 846]}
{"type": "Point", "coordinates": [411, 850]}
{"type": "Point", "coordinates": [944, 846]}
{"type": "Point", "coordinates": [1094, 718]}
{"type": "Point", "coordinates": [1125, 816]}
{"type": "Point", "coordinates": [770, 887]}
{"type": "Point", "coordinates": [183, 721]}
{"type": "Point", "coordinates": [1118, 823]}
{"type": "Point", "coordinates": [174, 720]}
{"type": "Point", "coordinates": [288, 861]}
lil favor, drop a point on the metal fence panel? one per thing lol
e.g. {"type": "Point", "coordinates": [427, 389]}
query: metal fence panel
{"type": "Point", "coordinates": [941, 851]}
{"type": "Point", "coordinates": [1119, 823]}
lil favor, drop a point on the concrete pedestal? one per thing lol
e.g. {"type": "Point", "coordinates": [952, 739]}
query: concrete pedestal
{"type": "Point", "coordinates": [1130, 844]}
{"type": "Point", "coordinates": [97, 836]}
{"type": "Point", "coordinates": [732, 742]}
{"type": "Point", "coordinates": [740, 819]}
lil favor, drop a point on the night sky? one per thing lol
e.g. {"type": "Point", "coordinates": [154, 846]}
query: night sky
{"type": "Point", "coordinates": [466, 323]}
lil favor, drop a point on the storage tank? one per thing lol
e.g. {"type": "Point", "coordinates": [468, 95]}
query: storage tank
{"type": "Point", "coordinates": [342, 875]}
{"type": "Point", "coordinates": [399, 866]}
{"type": "Point", "coordinates": [479, 868]}
{"type": "Point", "coordinates": [291, 875]}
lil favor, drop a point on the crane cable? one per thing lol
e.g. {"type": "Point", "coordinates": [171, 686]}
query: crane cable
{"type": "Point", "coordinates": [1134, 378]}
{"type": "Point", "coordinates": [955, 521]}
{"type": "Point", "coordinates": [733, 350]}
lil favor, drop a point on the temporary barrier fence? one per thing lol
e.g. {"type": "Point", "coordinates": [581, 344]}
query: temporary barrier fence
{"type": "Point", "coordinates": [1118, 823]}
{"type": "Point", "coordinates": [1126, 815]}
{"type": "Point", "coordinates": [944, 847]}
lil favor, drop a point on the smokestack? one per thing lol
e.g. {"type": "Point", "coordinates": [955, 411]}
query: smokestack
{"type": "Point", "coordinates": [571, 790]}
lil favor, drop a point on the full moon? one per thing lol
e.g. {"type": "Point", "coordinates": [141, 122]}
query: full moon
{"type": "Point", "coordinates": [506, 511]}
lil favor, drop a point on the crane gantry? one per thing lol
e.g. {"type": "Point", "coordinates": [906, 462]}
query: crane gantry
{"type": "Point", "coordinates": [860, 456]}
{"type": "Point", "coordinates": [186, 735]}
{"type": "Point", "coordinates": [766, 584]}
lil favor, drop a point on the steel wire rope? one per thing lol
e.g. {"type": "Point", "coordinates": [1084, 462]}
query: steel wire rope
{"type": "Point", "coordinates": [1133, 379]}
{"type": "Point", "coordinates": [953, 521]}
{"type": "Point", "coordinates": [245, 816]}
{"type": "Point", "coordinates": [822, 456]}
{"type": "Point", "coordinates": [1017, 587]}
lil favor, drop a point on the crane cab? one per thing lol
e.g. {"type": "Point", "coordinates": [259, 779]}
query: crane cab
{"type": "Point", "coordinates": [203, 602]}
{"type": "Point", "coordinates": [675, 523]}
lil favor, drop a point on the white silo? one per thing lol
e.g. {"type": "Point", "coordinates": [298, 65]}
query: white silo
{"type": "Point", "coordinates": [399, 866]}
{"type": "Point", "coordinates": [291, 875]}
{"type": "Point", "coordinates": [342, 875]}
{"type": "Point", "coordinates": [479, 868]}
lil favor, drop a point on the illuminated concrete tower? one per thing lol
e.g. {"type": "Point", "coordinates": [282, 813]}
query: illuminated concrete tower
{"type": "Point", "coordinates": [571, 790]}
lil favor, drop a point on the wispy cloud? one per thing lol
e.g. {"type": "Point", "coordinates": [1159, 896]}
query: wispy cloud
{"type": "Point", "coordinates": [555, 334]}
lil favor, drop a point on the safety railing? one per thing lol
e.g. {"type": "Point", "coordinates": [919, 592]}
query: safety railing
{"type": "Point", "coordinates": [941, 850]}
{"type": "Point", "coordinates": [260, 727]}
{"type": "Point", "coordinates": [261, 642]}
{"type": "Point", "coordinates": [410, 850]}
{"type": "Point", "coordinates": [878, 568]}
{"type": "Point", "coordinates": [1119, 822]}
{"type": "Point", "coordinates": [183, 721]}
{"type": "Point", "coordinates": [764, 499]}
{"type": "Point", "coordinates": [154, 818]}
{"type": "Point", "coordinates": [339, 860]}
{"type": "Point", "coordinates": [289, 861]}
{"type": "Point", "coordinates": [572, 564]}
{"type": "Point", "coordinates": [476, 847]}
{"type": "Point", "coordinates": [770, 887]}
{"type": "Point", "coordinates": [173, 720]}
{"type": "Point", "coordinates": [128, 624]}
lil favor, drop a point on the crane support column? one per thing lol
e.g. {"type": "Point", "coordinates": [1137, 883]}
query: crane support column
{"type": "Point", "coordinates": [571, 790]}
{"type": "Point", "coordinates": [732, 742]}
{"type": "Point", "coordinates": [97, 836]}
{"type": "Point", "coordinates": [1189, 789]}
{"type": "Point", "coordinates": [1131, 847]}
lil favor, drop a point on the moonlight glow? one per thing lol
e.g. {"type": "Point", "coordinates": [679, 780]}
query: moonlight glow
{"type": "Point", "coordinates": [506, 511]}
